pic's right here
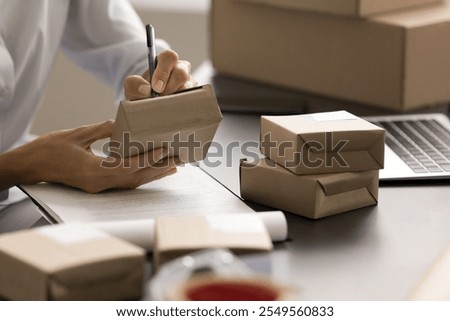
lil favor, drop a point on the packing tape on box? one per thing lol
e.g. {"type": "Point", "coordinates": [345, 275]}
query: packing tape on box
{"type": "Point", "coordinates": [141, 232]}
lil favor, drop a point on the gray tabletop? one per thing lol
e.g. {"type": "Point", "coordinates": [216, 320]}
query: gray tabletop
{"type": "Point", "coordinates": [374, 253]}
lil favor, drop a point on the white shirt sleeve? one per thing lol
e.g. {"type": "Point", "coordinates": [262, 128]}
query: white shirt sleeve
{"type": "Point", "coordinates": [6, 78]}
{"type": "Point", "coordinates": [107, 38]}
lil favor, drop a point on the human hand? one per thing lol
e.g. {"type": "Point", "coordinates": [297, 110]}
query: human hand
{"type": "Point", "coordinates": [171, 75]}
{"type": "Point", "coordinates": [65, 157]}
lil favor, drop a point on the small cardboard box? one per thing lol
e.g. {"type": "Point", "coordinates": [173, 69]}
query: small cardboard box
{"type": "Point", "coordinates": [398, 61]}
{"type": "Point", "coordinates": [69, 262]}
{"type": "Point", "coordinates": [184, 122]}
{"type": "Point", "coordinates": [330, 142]}
{"type": "Point", "coordinates": [355, 8]}
{"type": "Point", "coordinates": [179, 235]}
{"type": "Point", "coordinates": [312, 196]}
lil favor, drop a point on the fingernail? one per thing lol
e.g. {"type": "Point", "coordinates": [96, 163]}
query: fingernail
{"type": "Point", "coordinates": [159, 86]}
{"type": "Point", "coordinates": [144, 90]}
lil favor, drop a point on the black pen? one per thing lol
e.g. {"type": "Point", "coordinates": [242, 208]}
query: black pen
{"type": "Point", "coordinates": [151, 55]}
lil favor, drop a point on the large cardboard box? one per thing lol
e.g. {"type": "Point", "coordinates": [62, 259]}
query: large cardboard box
{"type": "Point", "coordinates": [312, 196]}
{"type": "Point", "coordinates": [331, 142]}
{"type": "Point", "coordinates": [179, 235]}
{"type": "Point", "coordinates": [184, 123]}
{"type": "Point", "coordinates": [69, 262]}
{"type": "Point", "coordinates": [399, 61]}
{"type": "Point", "coordinates": [356, 8]}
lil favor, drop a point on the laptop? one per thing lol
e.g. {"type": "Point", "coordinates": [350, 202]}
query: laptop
{"type": "Point", "coordinates": [417, 146]}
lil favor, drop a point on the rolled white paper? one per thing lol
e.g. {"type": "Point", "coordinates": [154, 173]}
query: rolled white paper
{"type": "Point", "coordinates": [138, 232]}
{"type": "Point", "coordinates": [276, 225]}
{"type": "Point", "coordinates": [141, 232]}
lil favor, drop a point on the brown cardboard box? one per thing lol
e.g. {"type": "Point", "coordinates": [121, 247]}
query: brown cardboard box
{"type": "Point", "coordinates": [179, 235]}
{"type": "Point", "coordinates": [399, 61]}
{"type": "Point", "coordinates": [185, 122]}
{"type": "Point", "coordinates": [313, 196]}
{"type": "Point", "coordinates": [320, 143]}
{"type": "Point", "coordinates": [357, 8]}
{"type": "Point", "coordinates": [69, 262]}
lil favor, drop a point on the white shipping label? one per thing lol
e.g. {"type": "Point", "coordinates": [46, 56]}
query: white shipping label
{"type": "Point", "coordinates": [333, 116]}
{"type": "Point", "coordinates": [71, 233]}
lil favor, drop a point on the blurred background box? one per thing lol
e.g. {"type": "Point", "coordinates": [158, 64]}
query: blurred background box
{"type": "Point", "coordinates": [398, 61]}
{"type": "Point", "coordinates": [357, 8]}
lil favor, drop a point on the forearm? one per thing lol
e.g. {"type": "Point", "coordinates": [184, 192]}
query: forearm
{"type": "Point", "coordinates": [15, 169]}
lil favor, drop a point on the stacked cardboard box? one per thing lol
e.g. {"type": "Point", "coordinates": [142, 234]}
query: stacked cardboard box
{"type": "Point", "coordinates": [356, 50]}
{"type": "Point", "coordinates": [317, 164]}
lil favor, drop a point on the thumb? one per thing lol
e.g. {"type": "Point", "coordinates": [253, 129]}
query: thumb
{"type": "Point", "coordinates": [136, 87]}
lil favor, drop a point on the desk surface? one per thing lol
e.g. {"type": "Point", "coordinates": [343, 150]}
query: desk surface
{"type": "Point", "coordinates": [374, 253]}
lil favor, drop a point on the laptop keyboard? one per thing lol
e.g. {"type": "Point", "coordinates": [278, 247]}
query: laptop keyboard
{"type": "Point", "coordinates": [424, 145]}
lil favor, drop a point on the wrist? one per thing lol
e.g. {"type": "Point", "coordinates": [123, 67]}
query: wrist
{"type": "Point", "coordinates": [16, 168]}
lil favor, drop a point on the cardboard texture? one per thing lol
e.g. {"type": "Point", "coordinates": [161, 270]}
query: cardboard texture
{"type": "Point", "coordinates": [355, 8]}
{"type": "Point", "coordinates": [69, 263]}
{"type": "Point", "coordinates": [179, 235]}
{"type": "Point", "coordinates": [312, 196]}
{"type": "Point", "coordinates": [398, 61]}
{"type": "Point", "coordinates": [184, 122]}
{"type": "Point", "coordinates": [319, 143]}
